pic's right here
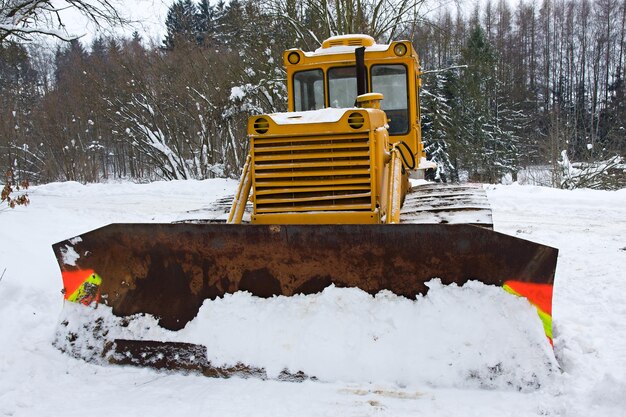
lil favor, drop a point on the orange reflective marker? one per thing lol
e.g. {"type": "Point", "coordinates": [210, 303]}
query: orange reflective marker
{"type": "Point", "coordinates": [72, 280]}
{"type": "Point", "coordinates": [88, 289]}
{"type": "Point", "coordinates": [539, 295]}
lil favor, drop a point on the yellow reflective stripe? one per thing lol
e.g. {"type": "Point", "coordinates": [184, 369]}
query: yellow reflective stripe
{"type": "Point", "coordinates": [81, 292]}
{"type": "Point", "coordinates": [546, 319]}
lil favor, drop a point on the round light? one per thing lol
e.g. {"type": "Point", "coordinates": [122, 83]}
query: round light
{"type": "Point", "coordinates": [399, 49]}
{"type": "Point", "coordinates": [261, 125]}
{"type": "Point", "coordinates": [356, 120]}
{"type": "Point", "coordinates": [293, 58]}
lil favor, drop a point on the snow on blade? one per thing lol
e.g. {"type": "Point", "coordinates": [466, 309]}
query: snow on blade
{"type": "Point", "coordinates": [70, 256]}
{"type": "Point", "coordinates": [474, 336]}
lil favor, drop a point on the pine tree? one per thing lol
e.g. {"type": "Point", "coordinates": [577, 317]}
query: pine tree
{"type": "Point", "coordinates": [98, 47]}
{"type": "Point", "coordinates": [66, 58]}
{"type": "Point", "coordinates": [18, 97]}
{"type": "Point", "coordinates": [613, 121]}
{"type": "Point", "coordinates": [181, 24]}
{"type": "Point", "coordinates": [232, 22]}
{"type": "Point", "coordinates": [205, 23]}
{"type": "Point", "coordinates": [436, 124]}
{"type": "Point", "coordinates": [482, 128]}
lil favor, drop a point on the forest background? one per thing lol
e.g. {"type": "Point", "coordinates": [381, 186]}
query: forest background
{"type": "Point", "coordinates": [505, 88]}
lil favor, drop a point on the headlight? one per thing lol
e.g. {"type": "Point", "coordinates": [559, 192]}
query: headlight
{"type": "Point", "coordinates": [400, 49]}
{"type": "Point", "coordinates": [293, 58]}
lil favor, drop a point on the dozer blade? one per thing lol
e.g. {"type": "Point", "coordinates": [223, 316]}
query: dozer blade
{"type": "Point", "coordinates": [169, 270]}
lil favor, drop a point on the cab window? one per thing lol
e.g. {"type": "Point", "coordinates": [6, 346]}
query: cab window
{"type": "Point", "coordinates": [342, 88]}
{"type": "Point", "coordinates": [391, 81]}
{"type": "Point", "coordinates": [308, 90]}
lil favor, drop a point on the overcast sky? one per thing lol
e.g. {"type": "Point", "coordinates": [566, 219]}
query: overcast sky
{"type": "Point", "coordinates": [148, 18]}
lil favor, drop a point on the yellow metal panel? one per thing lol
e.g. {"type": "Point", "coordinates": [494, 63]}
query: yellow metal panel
{"type": "Point", "coordinates": [331, 207]}
{"type": "Point", "coordinates": [319, 164]}
{"type": "Point", "coordinates": [315, 182]}
{"type": "Point", "coordinates": [299, 148]}
{"type": "Point", "coordinates": [312, 155]}
{"type": "Point", "coordinates": [298, 200]}
{"type": "Point", "coordinates": [325, 187]}
{"type": "Point", "coordinates": [345, 217]}
{"type": "Point", "coordinates": [316, 173]}
{"type": "Point", "coordinates": [304, 137]}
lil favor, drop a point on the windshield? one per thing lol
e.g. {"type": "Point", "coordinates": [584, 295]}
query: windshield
{"type": "Point", "coordinates": [342, 89]}
{"type": "Point", "coordinates": [390, 80]}
{"type": "Point", "coordinates": [308, 90]}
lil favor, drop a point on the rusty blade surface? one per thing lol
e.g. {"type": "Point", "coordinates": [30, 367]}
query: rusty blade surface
{"type": "Point", "coordinates": [168, 270]}
{"type": "Point", "coordinates": [186, 357]}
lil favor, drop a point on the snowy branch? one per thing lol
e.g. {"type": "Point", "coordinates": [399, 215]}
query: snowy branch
{"type": "Point", "coordinates": [595, 175]}
{"type": "Point", "coordinates": [20, 19]}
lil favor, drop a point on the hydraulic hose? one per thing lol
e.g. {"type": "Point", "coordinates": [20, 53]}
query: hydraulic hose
{"type": "Point", "coordinates": [405, 162]}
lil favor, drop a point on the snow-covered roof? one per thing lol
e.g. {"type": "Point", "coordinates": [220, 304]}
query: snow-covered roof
{"type": "Point", "coordinates": [344, 49]}
{"type": "Point", "coordinates": [346, 44]}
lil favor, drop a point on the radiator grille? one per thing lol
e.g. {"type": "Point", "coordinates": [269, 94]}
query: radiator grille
{"type": "Point", "coordinates": [312, 173]}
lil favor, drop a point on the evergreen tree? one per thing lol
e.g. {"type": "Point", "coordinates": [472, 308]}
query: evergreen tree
{"type": "Point", "coordinates": [232, 22]}
{"type": "Point", "coordinates": [98, 47]}
{"type": "Point", "coordinates": [18, 98]}
{"type": "Point", "coordinates": [181, 24]}
{"type": "Point", "coordinates": [481, 127]}
{"type": "Point", "coordinates": [67, 58]}
{"type": "Point", "coordinates": [613, 121]}
{"type": "Point", "coordinates": [436, 125]}
{"type": "Point", "coordinates": [205, 23]}
{"type": "Point", "coordinates": [136, 37]}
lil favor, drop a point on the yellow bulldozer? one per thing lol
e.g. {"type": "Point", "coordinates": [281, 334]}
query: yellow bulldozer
{"type": "Point", "coordinates": [320, 203]}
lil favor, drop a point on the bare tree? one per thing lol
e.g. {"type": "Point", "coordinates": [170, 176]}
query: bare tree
{"type": "Point", "coordinates": [21, 19]}
{"type": "Point", "coordinates": [382, 19]}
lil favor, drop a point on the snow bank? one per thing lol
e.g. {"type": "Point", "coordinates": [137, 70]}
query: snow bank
{"type": "Point", "coordinates": [588, 227]}
{"type": "Point", "coordinates": [474, 336]}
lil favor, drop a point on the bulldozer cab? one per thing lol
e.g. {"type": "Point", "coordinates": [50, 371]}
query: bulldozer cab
{"type": "Point", "coordinates": [327, 78]}
{"type": "Point", "coordinates": [343, 151]}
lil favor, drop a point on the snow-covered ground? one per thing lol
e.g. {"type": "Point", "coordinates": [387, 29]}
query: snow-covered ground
{"type": "Point", "coordinates": [399, 375]}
